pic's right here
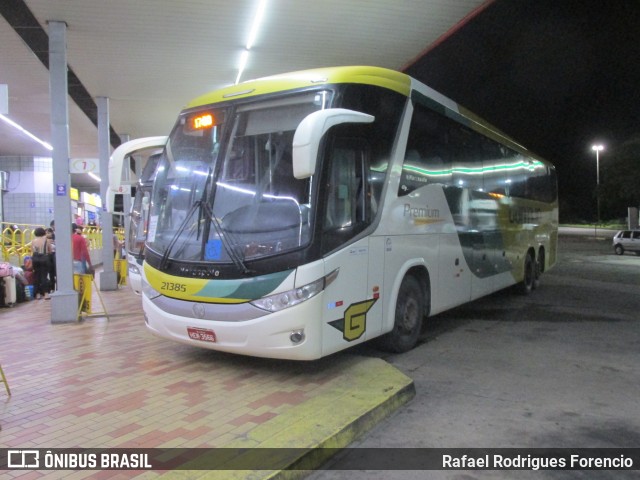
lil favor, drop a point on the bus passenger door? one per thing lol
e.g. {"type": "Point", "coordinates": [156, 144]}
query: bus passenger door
{"type": "Point", "coordinates": [455, 254]}
{"type": "Point", "coordinates": [453, 286]}
{"type": "Point", "coordinates": [346, 212]}
{"type": "Point", "coordinates": [347, 309]}
{"type": "Point", "coordinates": [482, 215]}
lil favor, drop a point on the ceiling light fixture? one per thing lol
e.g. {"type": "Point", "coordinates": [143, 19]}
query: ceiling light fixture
{"type": "Point", "coordinates": [257, 21]}
{"type": "Point", "coordinates": [26, 132]}
{"type": "Point", "coordinates": [243, 63]}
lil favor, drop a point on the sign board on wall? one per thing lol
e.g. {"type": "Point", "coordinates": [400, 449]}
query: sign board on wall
{"type": "Point", "coordinates": [83, 165]}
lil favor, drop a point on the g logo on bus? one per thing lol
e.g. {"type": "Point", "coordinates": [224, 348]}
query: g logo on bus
{"type": "Point", "coordinates": [354, 323]}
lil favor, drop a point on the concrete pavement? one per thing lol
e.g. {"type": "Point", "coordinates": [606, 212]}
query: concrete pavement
{"type": "Point", "coordinates": [108, 383]}
{"type": "Point", "coordinates": [557, 368]}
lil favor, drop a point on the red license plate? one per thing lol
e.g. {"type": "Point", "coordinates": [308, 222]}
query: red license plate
{"type": "Point", "coordinates": [201, 334]}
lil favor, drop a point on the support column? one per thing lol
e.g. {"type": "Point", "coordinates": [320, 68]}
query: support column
{"type": "Point", "coordinates": [108, 277]}
{"type": "Point", "coordinates": [64, 301]}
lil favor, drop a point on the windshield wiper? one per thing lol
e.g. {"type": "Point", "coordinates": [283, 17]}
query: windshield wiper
{"type": "Point", "coordinates": [174, 239]}
{"type": "Point", "coordinates": [229, 246]}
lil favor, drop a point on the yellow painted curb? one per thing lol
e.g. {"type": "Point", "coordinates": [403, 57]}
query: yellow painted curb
{"type": "Point", "coordinates": [355, 401]}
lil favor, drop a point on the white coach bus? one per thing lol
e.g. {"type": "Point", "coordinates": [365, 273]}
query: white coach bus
{"type": "Point", "coordinates": [297, 215]}
{"type": "Point", "coordinates": [122, 181]}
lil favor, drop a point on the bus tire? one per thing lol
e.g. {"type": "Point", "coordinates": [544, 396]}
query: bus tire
{"type": "Point", "coordinates": [410, 309]}
{"type": "Point", "coordinates": [539, 268]}
{"type": "Point", "coordinates": [529, 279]}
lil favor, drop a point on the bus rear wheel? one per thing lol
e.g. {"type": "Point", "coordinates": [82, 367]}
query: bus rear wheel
{"type": "Point", "coordinates": [538, 265]}
{"type": "Point", "coordinates": [408, 317]}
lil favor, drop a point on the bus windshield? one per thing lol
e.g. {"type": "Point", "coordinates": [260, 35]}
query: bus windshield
{"type": "Point", "coordinates": [224, 190]}
{"type": "Point", "coordinates": [139, 219]}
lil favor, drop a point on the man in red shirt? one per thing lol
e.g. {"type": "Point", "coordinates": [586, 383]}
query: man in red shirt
{"type": "Point", "coordinates": [81, 258]}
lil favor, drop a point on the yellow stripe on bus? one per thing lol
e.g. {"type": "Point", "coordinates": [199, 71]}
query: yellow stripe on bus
{"type": "Point", "coordinates": [382, 77]}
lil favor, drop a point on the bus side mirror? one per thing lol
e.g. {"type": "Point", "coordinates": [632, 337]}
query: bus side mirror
{"type": "Point", "coordinates": [117, 166]}
{"type": "Point", "coordinates": [306, 140]}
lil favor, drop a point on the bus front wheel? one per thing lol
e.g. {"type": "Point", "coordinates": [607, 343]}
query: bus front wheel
{"type": "Point", "coordinates": [530, 280]}
{"type": "Point", "coordinates": [408, 317]}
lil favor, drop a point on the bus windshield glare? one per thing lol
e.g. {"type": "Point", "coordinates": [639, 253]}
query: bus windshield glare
{"type": "Point", "coordinates": [224, 190]}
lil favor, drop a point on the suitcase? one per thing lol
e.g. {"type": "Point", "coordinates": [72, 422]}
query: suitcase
{"type": "Point", "coordinates": [21, 295]}
{"type": "Point", "coordinates": [10, 296]}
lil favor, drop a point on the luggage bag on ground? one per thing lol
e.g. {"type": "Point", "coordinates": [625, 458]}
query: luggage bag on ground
{"type": "Point", "coordinates": [10, 296]}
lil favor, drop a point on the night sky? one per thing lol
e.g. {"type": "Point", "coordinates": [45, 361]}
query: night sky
{"type": "Point", "coordinates": [556, 75]}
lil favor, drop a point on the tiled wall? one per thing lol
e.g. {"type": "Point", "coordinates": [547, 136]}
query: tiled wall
{"type": "Point", "coordinates": [29, 208]}
{"type": "Point", "coordinates": [29, 195]}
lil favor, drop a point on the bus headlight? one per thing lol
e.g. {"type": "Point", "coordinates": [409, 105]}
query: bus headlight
{"type": "Point", "coordinates": [280, 301]}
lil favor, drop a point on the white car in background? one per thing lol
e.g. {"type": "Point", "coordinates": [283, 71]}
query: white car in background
{"type": "Point", "coordinates": [626, 241]}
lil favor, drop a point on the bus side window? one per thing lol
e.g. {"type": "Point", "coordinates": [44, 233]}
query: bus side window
{"type": "Point", "coordinates": [429, 153]}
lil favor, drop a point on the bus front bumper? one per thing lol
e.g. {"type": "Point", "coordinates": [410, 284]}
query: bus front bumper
{"type": "Point", "coordinates": [294, 333]}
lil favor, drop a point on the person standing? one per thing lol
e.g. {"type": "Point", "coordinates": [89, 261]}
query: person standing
{"type": "Point", "coordinates": [51, 239]}
{"type": "Point", "coordinates": [41, 260]}
{"type": "Point", "coordinates": [81, 258]}
{"type": "Point", "coordinates": [117, 247]}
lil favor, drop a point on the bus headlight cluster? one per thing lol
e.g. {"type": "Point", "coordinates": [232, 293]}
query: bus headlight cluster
{"type": "Point", "coordinates": [280, 301]}
{"type": "Point", "coordinates": [134, 269]}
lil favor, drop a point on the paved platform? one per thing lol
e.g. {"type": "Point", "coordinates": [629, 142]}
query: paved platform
{"type": "Point", "coordinates": [108, 383]}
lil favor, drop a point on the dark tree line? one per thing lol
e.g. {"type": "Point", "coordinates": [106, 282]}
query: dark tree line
{"type": "Point", "coordinates": [620, 185]}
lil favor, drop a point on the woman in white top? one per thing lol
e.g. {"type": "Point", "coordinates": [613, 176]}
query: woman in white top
{"type": "Point", "coordinates": [41, 260]}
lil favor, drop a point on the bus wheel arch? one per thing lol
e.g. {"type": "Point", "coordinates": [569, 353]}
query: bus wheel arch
{"type": "Point", "coordinates": [412, 305]}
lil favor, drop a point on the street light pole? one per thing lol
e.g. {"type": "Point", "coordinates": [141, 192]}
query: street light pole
{"type": "Point", "coordinates": [597, 149]}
